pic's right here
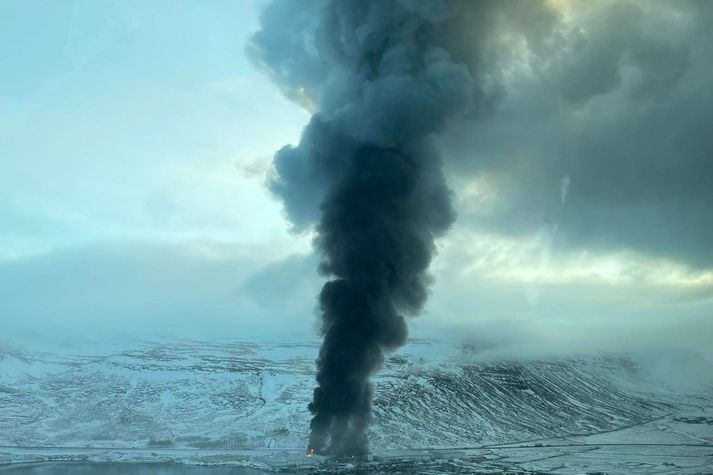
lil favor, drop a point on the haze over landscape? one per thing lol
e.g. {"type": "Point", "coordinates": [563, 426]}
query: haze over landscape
{"type": "Point", "coordinates": [136, 139]}
{"type": "Point", "coordinates": [146, 199]}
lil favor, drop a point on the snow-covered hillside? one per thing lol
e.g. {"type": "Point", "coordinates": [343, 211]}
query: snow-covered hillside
{"type": "Point", "coordinates": [187, 394]}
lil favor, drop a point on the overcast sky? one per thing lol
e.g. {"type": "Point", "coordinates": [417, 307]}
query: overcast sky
{"type": "Point", "coordinates": [135, 138]}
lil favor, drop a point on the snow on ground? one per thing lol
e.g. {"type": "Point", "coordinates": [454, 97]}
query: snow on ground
{"type": "Point", "coordinates": [236, 402]}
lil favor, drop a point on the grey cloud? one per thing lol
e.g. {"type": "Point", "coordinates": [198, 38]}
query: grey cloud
{"type": "Point", "coordinates": [637, 149]}
{"type": "Point", "coordinates": [285, 283]}
{"type": "Point", "coordinates": [568, 316]}
{"type": "Point", "coordinates": [620, 36]}
{"type": "Point", "coordinates": [145, 289]}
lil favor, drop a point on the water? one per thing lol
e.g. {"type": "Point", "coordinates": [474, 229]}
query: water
{"type": "Point", "coordinates": [82, 468]}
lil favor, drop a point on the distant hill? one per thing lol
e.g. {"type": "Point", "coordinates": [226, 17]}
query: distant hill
{"type": "Point", "coordinates": [244, 395]}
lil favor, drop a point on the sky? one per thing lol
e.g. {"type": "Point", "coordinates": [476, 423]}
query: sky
{"type": "Point", "coordinates": [136, 138]}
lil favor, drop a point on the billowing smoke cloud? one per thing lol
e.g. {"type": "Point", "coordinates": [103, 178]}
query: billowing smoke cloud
{"type": "Point", "coordinates": [382, 77]}
{"type": "Point", "coordinates": [622, 103]}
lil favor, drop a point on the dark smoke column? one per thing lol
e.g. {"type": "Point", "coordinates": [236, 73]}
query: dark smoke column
{"type": "Point", "coordinates": [376, 235]}
{"type": "Point", "coordinates": [380, 79]}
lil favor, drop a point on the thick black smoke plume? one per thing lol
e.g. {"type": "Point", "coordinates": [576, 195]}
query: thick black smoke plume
{"type": "Point", "coordinates": [382, 77]}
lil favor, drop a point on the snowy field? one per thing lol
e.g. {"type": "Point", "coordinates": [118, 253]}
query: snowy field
{"type": "Point", "coordinates": [438, 408]}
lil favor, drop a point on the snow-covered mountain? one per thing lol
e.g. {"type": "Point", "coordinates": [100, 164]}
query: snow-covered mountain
{"type": "Point", "coordinates": [231, 395]}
